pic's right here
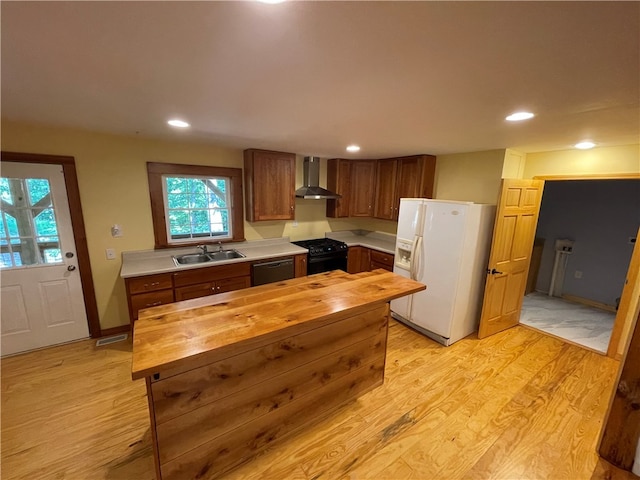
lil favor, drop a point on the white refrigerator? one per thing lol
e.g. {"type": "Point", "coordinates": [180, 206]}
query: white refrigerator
{"type": "Point", "coordinates": [445, 245]}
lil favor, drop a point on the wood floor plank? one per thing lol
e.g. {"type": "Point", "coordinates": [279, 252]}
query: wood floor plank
{"type": "Point", "coordinates": [518, 403]}
{"type": "Point", "coordinates": [470, 431]}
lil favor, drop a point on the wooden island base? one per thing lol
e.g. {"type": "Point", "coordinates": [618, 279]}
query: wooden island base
{"type": "Point", "coordinates": [235, 372]}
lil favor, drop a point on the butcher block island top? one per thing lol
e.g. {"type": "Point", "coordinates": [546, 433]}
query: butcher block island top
{"type": "Point", "coordinates": [169, 335]}
{"type": "Point", "coordinates": [231, 374]}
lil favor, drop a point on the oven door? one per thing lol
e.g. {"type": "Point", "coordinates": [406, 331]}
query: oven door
{"type": "Point", "coordinates": [326, 263]}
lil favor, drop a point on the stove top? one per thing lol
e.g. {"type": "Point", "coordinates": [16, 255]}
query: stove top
{"type": "Point", "coordinates": [322, 246]}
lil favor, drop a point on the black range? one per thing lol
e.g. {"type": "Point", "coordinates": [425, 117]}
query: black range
{"type": "Point", "coordinates": [325, 254]}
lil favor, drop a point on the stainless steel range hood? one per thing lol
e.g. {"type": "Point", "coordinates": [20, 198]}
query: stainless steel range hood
{"type": "Point", "coordinates": [311, 180]}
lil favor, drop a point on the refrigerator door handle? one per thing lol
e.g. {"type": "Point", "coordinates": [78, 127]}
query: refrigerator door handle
{"type": "Point", "coordinates": [412, 267]}
{"type": "Point", "coordinates": [417, 263]}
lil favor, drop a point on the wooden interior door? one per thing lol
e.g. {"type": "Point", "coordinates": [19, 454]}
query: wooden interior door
{"type": "Point", "coordinates": [621, 431]}
{"type": "Point", "coordinates": [513, 234]}
{"type": "Point", "coordinates": [628, 301]}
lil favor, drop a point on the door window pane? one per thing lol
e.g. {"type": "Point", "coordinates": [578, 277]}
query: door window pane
{"type": "Point", "coordinates": [29, 232]}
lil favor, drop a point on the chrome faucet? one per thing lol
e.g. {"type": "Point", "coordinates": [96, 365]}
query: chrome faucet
{"type": "Point", "coordinates": [203, 248]}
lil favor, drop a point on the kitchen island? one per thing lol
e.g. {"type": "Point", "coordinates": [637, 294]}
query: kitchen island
{"type": "Point", "coordinates": [228, 375]}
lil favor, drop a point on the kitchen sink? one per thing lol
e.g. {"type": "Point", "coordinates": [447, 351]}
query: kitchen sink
{"type": "Point", "coordinates": [225, 254]}
{"type": "Point", "coordinates": [191, 258]}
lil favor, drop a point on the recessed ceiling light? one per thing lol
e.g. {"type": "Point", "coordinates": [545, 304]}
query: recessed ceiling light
{"type": "Point", "coordinates": [585, 145]}
{"type": "Point", "coordinates": [271, 2]}
{"type": "Point", "coordinates": [178, 123]}
{"type": "Point", "coordinates": [518, 116]}
{"type": "Point", "coordinates": [353, 148]}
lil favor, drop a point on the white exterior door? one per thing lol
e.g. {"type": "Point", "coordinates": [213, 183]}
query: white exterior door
{"type": "Point", "coordinates": [42, 300]}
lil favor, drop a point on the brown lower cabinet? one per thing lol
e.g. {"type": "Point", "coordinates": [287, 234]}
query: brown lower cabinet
{"type": "Point", "coordinates": [153, 290]}
{"type": "Point", "coordinates": [381, 260]}
{"type": "Point", "coordinates": [148, 291]}
{"type": "Point", "coordinates": [363, 259]}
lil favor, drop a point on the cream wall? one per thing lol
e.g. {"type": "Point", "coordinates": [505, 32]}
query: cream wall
{"type": "Point", "coordinates": [112, 178]}
{"type": "Point", "coordinates": [604, 160]}
{"type": "Point", "coordinates": [473, 177]}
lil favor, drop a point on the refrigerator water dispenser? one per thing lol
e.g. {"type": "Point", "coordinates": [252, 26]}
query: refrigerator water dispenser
{"type": "Point", "coordinates": [403, 254]}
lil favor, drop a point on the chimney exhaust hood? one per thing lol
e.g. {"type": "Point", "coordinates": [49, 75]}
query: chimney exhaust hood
{"type": "Point", "coordinates": [311, 180]}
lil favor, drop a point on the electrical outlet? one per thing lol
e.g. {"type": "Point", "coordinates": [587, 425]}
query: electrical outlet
{"type": "Point", "coordinates": [294, 224]}
{"type": "Point", "coordinates": [578, 274]}
{"type": "Point", "coordinates": [111, 254]}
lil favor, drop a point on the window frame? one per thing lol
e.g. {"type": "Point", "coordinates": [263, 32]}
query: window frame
{"type": "Point", "coordinates": [155, 172]}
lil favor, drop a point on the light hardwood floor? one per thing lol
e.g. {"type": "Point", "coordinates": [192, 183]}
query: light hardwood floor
{"type": "Point", "coordinates": [518, 404]}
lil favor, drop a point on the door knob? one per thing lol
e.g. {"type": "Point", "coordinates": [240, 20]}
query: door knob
{"type": "Point", "coordinates": [71, 268]}
{"type": "Point", "coordinates": [493, 271]}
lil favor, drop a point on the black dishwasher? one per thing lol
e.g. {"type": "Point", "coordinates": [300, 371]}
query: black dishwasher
{"type": "Point", "coordinates": [273, 271]}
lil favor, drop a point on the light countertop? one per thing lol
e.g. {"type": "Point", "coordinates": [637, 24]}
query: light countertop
{"type": "Point", "coordinates": [149, 262]}
{"type": "Point", "coordinates": [385, 242]}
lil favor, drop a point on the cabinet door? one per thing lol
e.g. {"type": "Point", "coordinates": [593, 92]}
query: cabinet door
{"type": "Point", "coordinates": [300, 265]}
{"type": "Point", "coordinates": [386, 173]}
{"type": "Point", "coordinates": [353, 260]}
{"type": "Point", "coordinates": [339, 181]}
{"type": "Point", "coordinates": [416, 177]}
{"type": "Point", "coordinates": [270, 185]}
{"type": "Point", "coordinates": [365, 259]}
{"type": "Point", "coordinates": [363, 174]}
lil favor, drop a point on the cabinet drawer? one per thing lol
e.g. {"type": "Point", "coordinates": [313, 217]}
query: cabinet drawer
{"type": "Point", "coordinates": [383, 259]}
{"type": "Point", "coordinates": [211, 274]}
{"type": "Point", "coordinates": [149, 283]}
{"type": "Point", "coordinates": [151, 299]}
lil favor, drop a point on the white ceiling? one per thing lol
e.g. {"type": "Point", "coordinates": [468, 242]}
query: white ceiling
{"type": "Point", "coordinates": [397, 78]}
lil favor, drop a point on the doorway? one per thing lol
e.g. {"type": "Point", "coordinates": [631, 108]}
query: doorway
{"type": "Point", "coordinates": [588, 228]}
{"type": "Point", "coordinates": [47, 291]}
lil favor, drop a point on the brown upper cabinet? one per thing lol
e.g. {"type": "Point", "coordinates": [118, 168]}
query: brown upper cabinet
{"type": "Point", "coordinates": [373, 188]}
{"type": "Point", "coordinates": [338, 180]}
{"type": "Point", "coordinates": [355, 180]}
{"type": "Point", "coordinates": [363, 181]}
{"type": "Point", "coordinates": [270, 184]}
{"type": "Point", "coordinates": [403, 177]}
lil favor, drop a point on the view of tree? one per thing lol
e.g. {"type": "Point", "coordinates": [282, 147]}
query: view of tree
{"type": "Point", "coordinates": [28, 231]}
{"type": "Point", "coordinates": [197, 207]}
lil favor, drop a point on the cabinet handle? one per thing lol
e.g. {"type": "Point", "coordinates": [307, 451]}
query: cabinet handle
{"type": "Point", "coordinates": [153, 304]}
{"type": "Point", "coordinates": [152, 284]}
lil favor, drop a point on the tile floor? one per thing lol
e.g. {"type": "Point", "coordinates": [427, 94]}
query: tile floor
{"type": "Point", "coordinates": [581, 324]}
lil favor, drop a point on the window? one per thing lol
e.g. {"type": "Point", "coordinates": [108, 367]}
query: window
{"type": "Point", "coordinates": [195, 204]}
{"type": "Point", "coordinates": [28, 229]}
